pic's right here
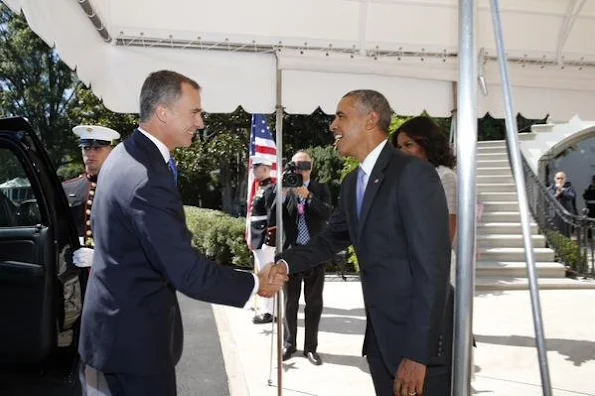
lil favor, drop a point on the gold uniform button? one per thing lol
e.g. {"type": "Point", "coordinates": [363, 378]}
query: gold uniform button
{"type": "Point", "coordinates": [88, 212]}
{"type": "Point", "coordinates": [89, 233]}
{"type": "Point", "coordinates": [88, 222]}
{"type": "Point", "coordinates": [91, 193]}
{"type": "Point", "coordinates": [90, 202]}
{"type": "Point", "coordinates": [93, 185]}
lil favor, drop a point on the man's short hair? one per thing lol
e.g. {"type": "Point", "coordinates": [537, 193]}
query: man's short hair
{"type": "Point", "coordinates": [370, 100]}
{"type": "Point", "coordinates": [161, 87]}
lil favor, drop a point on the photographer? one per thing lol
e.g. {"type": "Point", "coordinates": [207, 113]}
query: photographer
{"type": "Point", "coordinates": [306, 209]}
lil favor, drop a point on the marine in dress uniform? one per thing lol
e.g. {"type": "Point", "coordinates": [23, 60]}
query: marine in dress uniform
{"type": "Point", "coordinates": [95, 142]}
{"type": "Point", "coordinates": [262, 248]}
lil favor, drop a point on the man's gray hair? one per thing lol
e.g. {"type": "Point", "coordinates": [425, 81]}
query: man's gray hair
{"type": "Point", "coordinates": [161, 87]}
{"type": "Point", "coordinates": [370, 100]}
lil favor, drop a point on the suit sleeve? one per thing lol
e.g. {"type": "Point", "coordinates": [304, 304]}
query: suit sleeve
{"type": "Point", "coordinates": [158, 217]}
{"type": "Point", "coordinates": [334, 238]}
{"type": "Point", "coordinates": [423, 208]}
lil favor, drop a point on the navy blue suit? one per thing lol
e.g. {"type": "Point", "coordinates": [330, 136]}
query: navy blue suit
{"type": "Point", "coordinates": [131, 321]}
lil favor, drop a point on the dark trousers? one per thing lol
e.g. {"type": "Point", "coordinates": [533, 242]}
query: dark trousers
{"type": "Point", "coordinates": [437, 381]}
{"type": "Point", "coordinates": [313, 280]}
{"type": "Point", "coordinates": [96, 383]}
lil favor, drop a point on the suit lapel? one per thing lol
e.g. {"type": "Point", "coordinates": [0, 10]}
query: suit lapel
{"type": "Point", "coordinates": [374, 183]}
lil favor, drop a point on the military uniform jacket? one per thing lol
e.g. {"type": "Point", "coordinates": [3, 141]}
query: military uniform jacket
{"type": "Point", "coordinates": [261, 206]}
{"type": "Point", "coordinates": [80, 192]}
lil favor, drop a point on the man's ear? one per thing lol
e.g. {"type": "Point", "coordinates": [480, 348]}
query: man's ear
{"type": "Point", "coordinates": [372, 120]}
{"type": "Point", "coordinates": [162, 113]}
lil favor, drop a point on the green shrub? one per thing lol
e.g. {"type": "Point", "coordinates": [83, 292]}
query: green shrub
{"type": "Point", "coordinates": [568, 251]}
{"type": "Point", "coordinates": [219, 236]}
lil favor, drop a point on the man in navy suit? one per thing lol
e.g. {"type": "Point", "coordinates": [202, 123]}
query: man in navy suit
{"type": "Point", "coordinates": [131, 334]}
{"type": "Point", "coordinates": [392, 209]}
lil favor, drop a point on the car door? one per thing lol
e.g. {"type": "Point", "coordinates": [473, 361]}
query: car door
{"type": "Point", "coordinates": [39, 287]}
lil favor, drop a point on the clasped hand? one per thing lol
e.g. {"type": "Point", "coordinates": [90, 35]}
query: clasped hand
{"type": "Point", "coordinates": [271, 279]}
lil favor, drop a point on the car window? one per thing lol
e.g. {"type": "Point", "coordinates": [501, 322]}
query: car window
{"type": "Point", "coordinates": [18, 203]}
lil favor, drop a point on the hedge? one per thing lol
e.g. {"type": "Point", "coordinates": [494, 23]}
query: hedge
{"type": "Point", "coordinates": [218, 236]}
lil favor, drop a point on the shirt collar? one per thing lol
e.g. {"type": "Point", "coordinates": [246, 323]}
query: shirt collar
{"type": "Point", "coordinates": [162, 147]}
{"type": "Point", "coordinates": [371, 159]}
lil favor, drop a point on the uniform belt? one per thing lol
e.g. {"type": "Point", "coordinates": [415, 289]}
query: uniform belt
{"type": "Point", "coordinates": [258, 218]}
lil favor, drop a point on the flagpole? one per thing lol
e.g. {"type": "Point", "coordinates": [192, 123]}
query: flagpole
{"type": "Point", "coordinates": [279, 236]}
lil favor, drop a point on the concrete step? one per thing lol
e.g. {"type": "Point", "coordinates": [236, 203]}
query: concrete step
{"type": "Point", "coordinates": [488, 163]}
{"type": "Point", "coordinates": [495, 170]}
{"type": "Point", "coordinates": [514, 254]}
{"type": "Point", "coordinates": [527, 136]}
{"type": "Point", "coordinates": [493, 154]}
{"type": "Point", "coordinates": [500, 206]}
{"type": "Point", "coordinates": [503, 228]}
{"type": "Point", "coordinates": [512, 283]}
{"type": "Point", "coordinates": [499, 196]}
{"type": "Point", "coordinates": [492, 150]}
{"type": "Point", "coordinates": [496, 187]}
{"type": "Point", "coordinates": [491, 144]}
{"type": "Point", "coordinates": [500, 217]}
{"type": "Point", "coordinates": [495, 179]}
{"type": "Point", "coordinates": [517, 269]}
{"type": "Point", "coordinates": [508, 240]}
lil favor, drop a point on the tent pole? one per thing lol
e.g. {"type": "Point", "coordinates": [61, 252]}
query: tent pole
{"type": "Point", "coordinates": [466, 141]}
{"type": "Point", "coordinates": [279, 242]}
{"type": "Point", "coordinates": [519, 178]}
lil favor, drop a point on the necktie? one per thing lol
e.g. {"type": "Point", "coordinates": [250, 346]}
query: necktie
{"type": "Point", "coordinates": [303, 236]}
{"type": "Point", "coordinates": [171, 164]}
{"type": "Point", "coordinates": [361, 189]}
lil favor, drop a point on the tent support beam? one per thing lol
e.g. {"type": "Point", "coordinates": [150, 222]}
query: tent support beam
{"type": "Point", "coordinates": [95, 20]}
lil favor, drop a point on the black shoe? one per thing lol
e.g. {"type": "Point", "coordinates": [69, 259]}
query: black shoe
{"type": "Point", "coordinates": [314, 358]}
{"type": "Point", "coordinates": [264, 318]}
{"type": "Point", "coordinates": [287, 353]}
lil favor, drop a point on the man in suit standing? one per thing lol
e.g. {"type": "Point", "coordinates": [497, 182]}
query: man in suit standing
{"type": "Point", "coordinates": [131, 334]}
{"type": "Point", "coordinates": [392, 209]}
{"type": "Point", "coordinates": [306, 210]}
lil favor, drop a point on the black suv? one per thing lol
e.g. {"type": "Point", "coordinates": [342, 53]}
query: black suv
{"type": "Point", "coordinates": [40, 288]}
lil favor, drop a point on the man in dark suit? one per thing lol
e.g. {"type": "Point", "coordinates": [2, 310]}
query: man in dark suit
{"type": "Point", "coordinates": [131, 335]}
{"type": "Point", "coordinates": [392, 209]}
{"type": "Point", "coordinates": [306, 210]}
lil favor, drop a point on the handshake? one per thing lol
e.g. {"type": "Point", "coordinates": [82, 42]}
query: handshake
{"type": "Point", "coordinates": [271, 279]}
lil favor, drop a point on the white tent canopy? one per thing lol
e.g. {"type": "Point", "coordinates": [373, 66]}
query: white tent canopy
{"type": "Point", "coordinates": [406, 49]}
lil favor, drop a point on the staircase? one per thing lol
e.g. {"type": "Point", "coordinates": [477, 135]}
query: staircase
{"type": "Point", "coordinates": [501, 264]}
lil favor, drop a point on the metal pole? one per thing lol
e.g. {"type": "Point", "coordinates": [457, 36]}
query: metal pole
{"type": "Point", "coordinates": [517, 170]}
{"type": "Point", "coordinates": [466, 226]}
{"type": "Point", "coordinates": [279, 214]}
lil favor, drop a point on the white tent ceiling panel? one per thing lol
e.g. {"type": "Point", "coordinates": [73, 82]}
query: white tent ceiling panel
{"type": "Point", "coordinates": [415, 43]}
{"type": "Point", "coordinates": [303, 91]}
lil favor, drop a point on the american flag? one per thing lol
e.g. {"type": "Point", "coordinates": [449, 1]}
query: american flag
{"type": "Point", "coordinates": [262, 143]}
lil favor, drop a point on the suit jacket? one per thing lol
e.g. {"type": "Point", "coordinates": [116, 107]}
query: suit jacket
{"type": "Point", "coordinates": [131, 320]}
{"type": "Point", "coordinates": [402, 243]}
{"type": "Point", "coordinates": [317, 210]}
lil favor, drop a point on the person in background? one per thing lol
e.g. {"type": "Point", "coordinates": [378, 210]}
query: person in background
{"type": "Point", "coordinates": [262, 243]}
{"type": "Point", "coordinates": [564, 193]}
{"type": "Point", "coordinates": [589, 197]}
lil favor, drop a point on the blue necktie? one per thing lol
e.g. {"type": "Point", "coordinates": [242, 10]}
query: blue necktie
{"type": "Point", "coordinates": [303, 236]}
{"type": "Point", "coordinates": [171, 164]}
{"type": "Point", "coordinates": [361, 189]}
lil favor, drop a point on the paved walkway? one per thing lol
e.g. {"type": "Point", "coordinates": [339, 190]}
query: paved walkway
{"type": "Point", "coordinates": [505, 360]}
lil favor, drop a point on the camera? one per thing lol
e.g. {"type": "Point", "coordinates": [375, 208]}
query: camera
{"type": "Point", "coordinates": [291, 177]}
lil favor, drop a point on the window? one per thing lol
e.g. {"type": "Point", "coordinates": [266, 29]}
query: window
{"type": "Point", "coordinates": [18, 204]}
